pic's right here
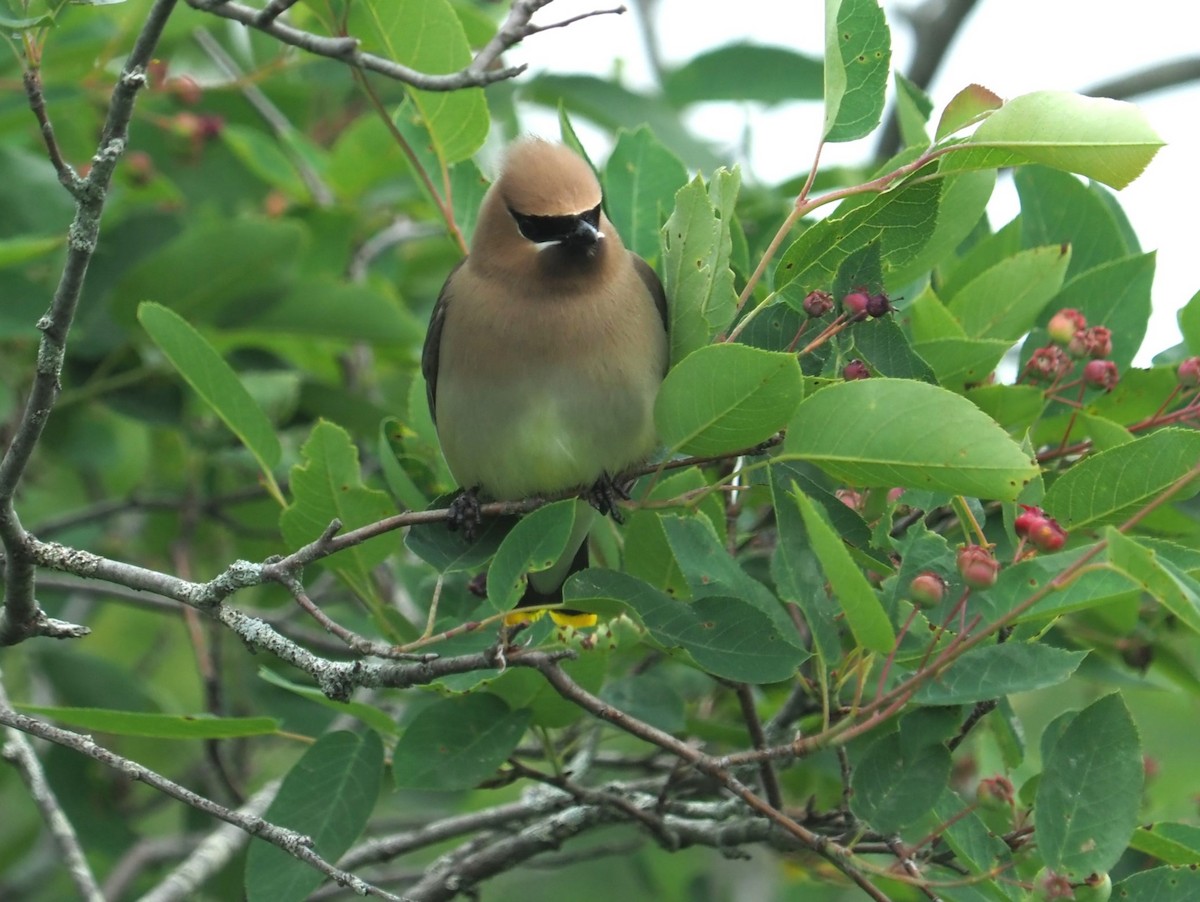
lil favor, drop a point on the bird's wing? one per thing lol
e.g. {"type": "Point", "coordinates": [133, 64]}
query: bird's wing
{"type": "Point", "coordinates": [650, 278]}
{"type": "Point", "coordinates": [432, 352]}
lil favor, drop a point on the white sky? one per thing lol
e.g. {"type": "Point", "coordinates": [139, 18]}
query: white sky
{"type": "Point", "coordinates": [1010, 46]}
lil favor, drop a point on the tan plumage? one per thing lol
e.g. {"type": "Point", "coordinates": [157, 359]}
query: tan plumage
{"type": "Point", "coordinates": [548, 343]}
{"type": "Point", "coordinates": [543, 364]}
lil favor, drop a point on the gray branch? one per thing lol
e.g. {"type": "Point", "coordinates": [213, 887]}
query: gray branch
{"type": "Point", "coordinates": [482, 70]}
{"type": "Point", "coordinates": [20, 752]}
{"type": "Point", "coordinates": [295, 844]}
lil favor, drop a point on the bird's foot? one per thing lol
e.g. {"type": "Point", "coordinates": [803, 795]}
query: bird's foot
{"type": "Point", "coordinates": [465, 513]}
{"type": "Point", "coordinates": [605, 494]}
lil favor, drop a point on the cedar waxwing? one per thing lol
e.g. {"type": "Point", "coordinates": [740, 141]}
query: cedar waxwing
{"type": "Point", "coordinates": [546, 349]}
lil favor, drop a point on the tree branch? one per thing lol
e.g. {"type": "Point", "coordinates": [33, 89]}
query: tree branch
{"type": "Point", "coordinates": [19, 751]}
{"type": "Point", "coordinates": [295, 844]}
{"type": "Point", "coordinates": [482, 70]}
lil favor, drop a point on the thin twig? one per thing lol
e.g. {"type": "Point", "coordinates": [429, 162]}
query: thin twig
{"type": "Point", "coordinates": [19, 751]}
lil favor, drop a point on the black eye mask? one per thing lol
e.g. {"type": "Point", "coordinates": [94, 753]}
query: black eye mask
{"type": "Point", "coordinates": [541, 229]}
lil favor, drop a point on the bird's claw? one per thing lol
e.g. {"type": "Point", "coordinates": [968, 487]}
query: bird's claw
{"type": "Point", "coordinates": [605, 494]}
{"type": "Point", "coordinates": [465, 513]}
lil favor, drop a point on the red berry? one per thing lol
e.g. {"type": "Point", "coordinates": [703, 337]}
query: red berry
{"type": "Point", "coordinates": [1048, 535]}
{"type": "Point", "coordinates": [978, 567]}
{"type": "Point", "coordinates": [855, 304]}
{"type": "Point", "coordinates": [1101, 374]}
{"type": "Point", "coordinates": [1188, 373]}
{"type": "Point", "coordinates": [1094, 341]}
{"type": "Point", "coordinates": [855, 369]}
{"type": "Point", "coordinates": [1064, 324]}
{"type": "Point", "coordinates": [995, 792]}
{"type": "Point", "coordinates": [1047, 364]}
{"type": "Point", "coordinates": [818, 303]}
{"type": "Point", "coordinates": [927, 589]}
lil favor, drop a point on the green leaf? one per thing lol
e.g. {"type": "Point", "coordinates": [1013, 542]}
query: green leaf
{"type": "Point", "coordinates": [467, 188]}
{"type": "Point", "coordinates": [390, 451]}
{"type": "Point", "coordinates": [865, 615]}
{"type": "Point", "coordinates": [883, 345]}
{"type": "Point", "coordinates": [1057, 208]}
{"type": "Point", "coordinates": [257, 265]}
{"type": "Point", "coordinates": [896, 432]}
{"type": "Point", "coordinates": [959, 362]}
{"type": "Point", "coordinates": [913, 107]}
{"type": "Point", "coordinates": [214, 381]}
{"type": "Point", "coordinates": [901, 221]}
{"type": "Point", "coordinates": [265, 157]}
{"type": "Point", "coordinates": [968, 106]}
{"type": "Point", "coordinates": [647, 553]}
{"type": "Point", "coordinates": [1108, 140]}
{"type": "Point", "coordinates": [1160, 885]}
{"type": "Point", "coordinates": [457, 743]}
{"type": "Point", "coordinates": [156, 726]}
{"type": "Point", "coordinates": [964, 198]}
{"type": "Point", "coordinates": [726, 636]}
{"type": "Point", "coordinates": [710, 569]}
{"type": "Point", "coordinates": [328, 486]}
{"type": "Point", "coordinates": [992, 671]}
{"type": "Point", "coordinates": [1175, 844]}
{"type": "Point", "coordinates": [1178, 592]}
{"type": "Point", "coordinates": [1189, 323]}
{"type": "Point", "coordinates": [379, 721]}
{"type": "Point", "coordinates": [640, 182]}
{"type": "Point", "coordinates": [696, 274]}
{"type": "Point", "coordinates": [726, 396]}
{"type": "Point", "coordinates": [327, 795]}
{"type": "Point", "coordinates": [1090, 790]}
{"type": "Point", "coordinates": [765, 74]}
{"type": "Point", "coordinates": [325, 307]}
{"type": "Point", "coordinates": [537, 541]}
{"type": "Point", "coordinates": [427, 35]}
{"type": "Point", "coordinates": [858, 51]}
{"type": "Point", "coordinates": [1003, 302]}
{"type": "Point", "coordinates": [894, 786]}
{"type": "Point", "coordinates": [1111, 486]}
{"type": "Point", "coordinates": [15, 251]}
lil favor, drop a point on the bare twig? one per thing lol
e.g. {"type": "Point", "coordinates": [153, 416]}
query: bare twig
{"type": "Point", "coordinates": [482, 70]}
{"type": "Point", "coordinates": [19, 751]}
{"type": "Point", "coordinates": [37, 102]}
{"type": "Point", "coordinates": [295, 844]}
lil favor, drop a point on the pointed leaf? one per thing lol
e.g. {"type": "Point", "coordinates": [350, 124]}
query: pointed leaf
{"type": "Point", "coordinates": [726, 396]}
{"type": "Point", "coordinates": [858, 52]}
{"type": "Point", "coordinates": [156, 726]}
{"type": "Point", "coordinates": [1179, 884]}
{"type": "Point", "coordinates": [1110, 486]}
{"type": "Point", "coordinates": [640, 182]}
{"type": "Point", "coordinates": [865, 615]}
{"type": "Point", "coordinates": [896, 432]}
{"type": "Point", "coordinates": [695, 267]}
{"type": "Point", "coordinates": [1090, 790]}
{"type": "Point", "coordinates": [327, 795]}
{"type": "Point", "coordinates": [1003, 302]}
{"type": "Point", "coordinates": [457, 743]}
{"type": "Point", "coordinates": [993, 671]}
{"type": "Point", "coordinates": [968, 106]}
{"type": "Point", "coordinates": [427, 35]}
{"type": "Point", "coordinates": [328, 486]}
{"type": "Point", "coordinates": [1057, 208]}
{"type": "Point", "coordinates": [214, 381]}
{"type": "Point", "coordinates": [1178, 592]}
{"type": "Point", "coordinates": [1108, 140]}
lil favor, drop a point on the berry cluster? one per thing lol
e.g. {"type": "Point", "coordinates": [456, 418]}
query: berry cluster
{"type": "Point", "coordinates": [1072, 340]}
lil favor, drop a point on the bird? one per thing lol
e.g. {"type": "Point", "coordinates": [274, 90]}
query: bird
{"type": "Point", "coordinates": [545, 352]}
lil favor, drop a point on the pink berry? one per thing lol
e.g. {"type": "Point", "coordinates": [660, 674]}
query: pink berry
{"type": "Point", "coordinates": [1101, 374]}
{"type": "Point", "coordinates": [1047, 364]}
{"type": "Point", "coordinates": [927, 589]}
{"type": "Point", "coordinates": [1064, 324]}
{"type": "Point", "coordinates": [855, 304]}
{"type": "Point", "coordinates": [978, 567]}
{"type": "Point", "coordinates": [1188, 373]}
